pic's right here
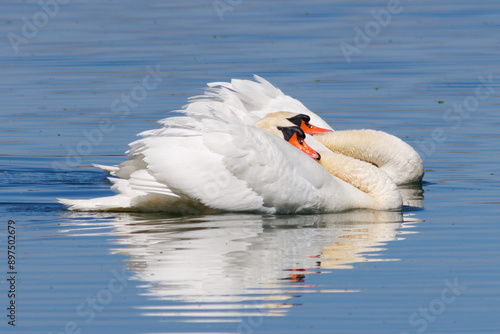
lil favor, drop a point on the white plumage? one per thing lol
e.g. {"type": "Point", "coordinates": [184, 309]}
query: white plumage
{"type": "Point", "coordinates": [214, 159]}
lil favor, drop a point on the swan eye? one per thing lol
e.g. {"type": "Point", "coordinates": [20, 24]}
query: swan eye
{"type": "Point", "coordinates": [301, 142]}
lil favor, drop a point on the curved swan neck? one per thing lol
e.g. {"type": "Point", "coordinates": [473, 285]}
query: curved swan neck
{"type": "Point", "coordinates": [398, 159]}
{"type": "Point", "coordinates": [365, 177]}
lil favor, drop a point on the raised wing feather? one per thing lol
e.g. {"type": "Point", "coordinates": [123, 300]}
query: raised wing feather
{"type": "Point", "coordinates": [213, 157]}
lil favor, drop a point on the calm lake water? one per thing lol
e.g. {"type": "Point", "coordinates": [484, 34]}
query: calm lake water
{"type": "Point", "coordinates": [425, 72]}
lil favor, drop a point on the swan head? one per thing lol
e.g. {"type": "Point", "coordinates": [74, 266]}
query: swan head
{"type": "Point", "coordinates": [295, 136]}
{"type": "Point", "coordinates": [300, 120]}
{"type": "Point", "coordinates": [279, 123]}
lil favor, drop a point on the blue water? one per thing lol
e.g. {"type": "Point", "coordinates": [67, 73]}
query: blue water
{"type": "Point", "coordinates": [428, 74]}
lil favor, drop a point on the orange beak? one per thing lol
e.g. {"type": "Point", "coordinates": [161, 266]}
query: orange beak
{"type": "Point", "coordinates": [301, 145]}
{"type": "Point", "coordinates": [311, 129]}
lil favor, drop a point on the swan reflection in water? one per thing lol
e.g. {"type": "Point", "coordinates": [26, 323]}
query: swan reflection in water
{"type": "Point", "coordinates": [229, 266]}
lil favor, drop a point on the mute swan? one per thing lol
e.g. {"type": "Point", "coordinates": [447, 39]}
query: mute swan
{"type": "Point", "coordinates": [228, 154]}
{"type": "Point", "coordinates": [392, 155]}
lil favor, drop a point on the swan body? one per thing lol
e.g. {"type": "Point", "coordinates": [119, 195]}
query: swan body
{"type": "Point", "coordinates": [222, 156]}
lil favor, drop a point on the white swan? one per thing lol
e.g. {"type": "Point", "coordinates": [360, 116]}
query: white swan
{"type": "Point", "coordinates": [387, 152]}
{"type": "Point", "coordinates": [222, 156]}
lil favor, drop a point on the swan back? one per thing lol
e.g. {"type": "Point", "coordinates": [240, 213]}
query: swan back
{"type": "Point", "coordinates": [257, 99]}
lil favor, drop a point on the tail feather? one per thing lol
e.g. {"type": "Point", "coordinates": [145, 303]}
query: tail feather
{"type": "Point", "coordinates": [108, 169]}
{"type": "Point", "coordinates": [117, 202]}
{"type": "Point", "coordinates": [146, 203]}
